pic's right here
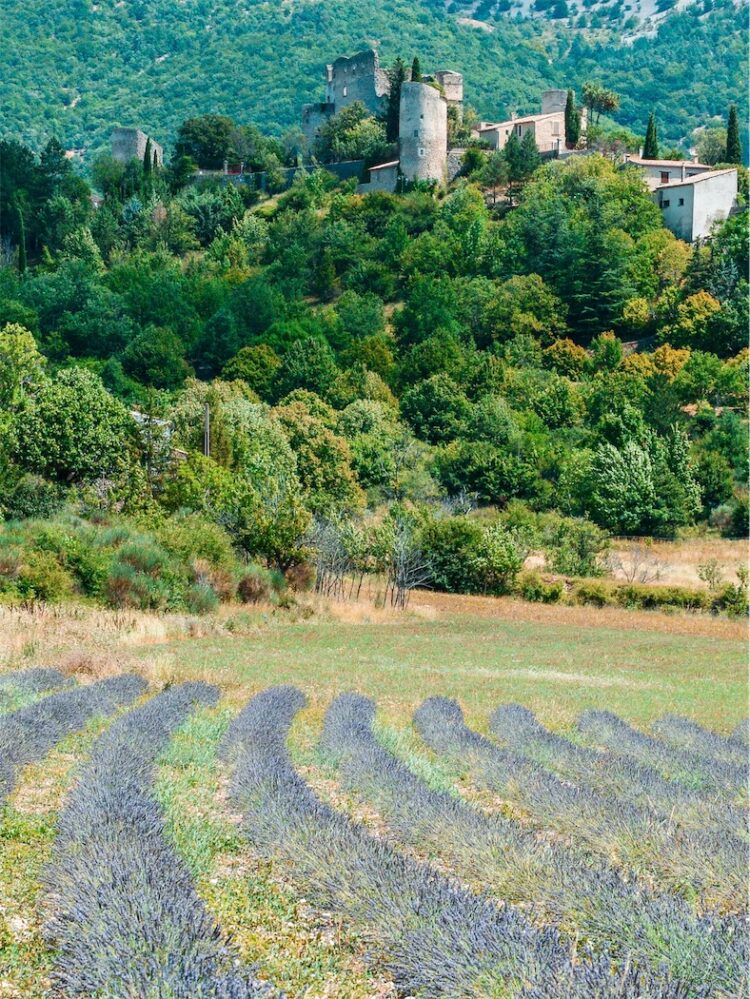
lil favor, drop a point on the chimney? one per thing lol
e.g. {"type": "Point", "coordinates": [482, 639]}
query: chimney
{"type": "Point", "coordinates": [682, 171]}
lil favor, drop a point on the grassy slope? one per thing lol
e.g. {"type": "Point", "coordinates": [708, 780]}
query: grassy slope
{"type": "Point", "coordinates": [566, 660]}
{"type": "Point", "coordinates": [75, 68]}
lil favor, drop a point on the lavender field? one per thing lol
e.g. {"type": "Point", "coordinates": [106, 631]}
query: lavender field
{"type": "Point", "coordinates": [168, 840]}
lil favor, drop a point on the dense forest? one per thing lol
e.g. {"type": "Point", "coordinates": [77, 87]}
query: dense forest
{"type": "Point", "coordinates": [74, 69]}
{"type": "Point", "coordinates": [205, 391]}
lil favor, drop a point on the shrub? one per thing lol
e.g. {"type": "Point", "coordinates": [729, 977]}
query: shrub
{"type": "Point", "coordinates": [532, 586]}
{"type": "Point", "coordinates": [32, 496]}
{"type": "Point", "coordinates": [254, 585]}
{"type": "Point", "coordinates": [201, 599]}
{"type": "Point", "coordinates": [596, 594]}
{"type": "Point", "coordinates": [41, 577]}
{"type": "Point", "coordinates": [300, 577]}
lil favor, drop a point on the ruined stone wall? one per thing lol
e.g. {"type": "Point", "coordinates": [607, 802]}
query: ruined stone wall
{"type": "Point", "coordinates": [423, 138]}
{"type": "Point", "coordinates": [314, 116]}
{"type": "Point", "coordinates": [554, 100]}
{"type": "Point", "coordinates": [453, 86]}
{"type": "Point", "coordinates": [130, 143]}
{"type": "Point", "coordinates": [357, 78]}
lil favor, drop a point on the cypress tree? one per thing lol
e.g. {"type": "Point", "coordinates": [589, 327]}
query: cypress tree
{"type": "Point", "coordinates": [572, 121]}
{"type": "Point", "coordinates": [396, 76]}
{"type": "Point", "coordinates": [21, 238]}
{"type": "Point", "coordinates": [147, 161]}
{"type": "Point", "coordinates": [651, 142]}
{"type": "Point", "coordinates": [734, 146]}
{"type": "Point", "coordinates": [416, 71]}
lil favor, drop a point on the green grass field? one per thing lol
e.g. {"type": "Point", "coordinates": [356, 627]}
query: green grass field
{"type": "Point", "coordinates": [557, 661]}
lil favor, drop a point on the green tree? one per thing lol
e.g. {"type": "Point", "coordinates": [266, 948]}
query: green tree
{"type": "Point", "coordinates": [21, 365]}
{"type": "Point", "coordinates": [572, 121]}
{"type": "Point", "coordinates": [21, 229]}
{"type": "Point", "coordinates": [73, 430]}
{"type": "Point", "coordinates": [256, 366]}
{"type": "Point", "coordinates": [206, 140]}
{"type": "Point", "coordinates": [156, 357]}
{"type": "Point", "coordinates": [494, 172]}
{"type": "Point", "coordinates": [599, 100]}
{"type": "Point", "coordinates": [416, 71]}
{"type": "Point", "coordinates": [396, 77]}
{"type": "Point", "coordinates": [651, 142]}
{"type": "Point", "coordinates": [734, 146]}
{"type": "Point", "coordinates": [147, 158]}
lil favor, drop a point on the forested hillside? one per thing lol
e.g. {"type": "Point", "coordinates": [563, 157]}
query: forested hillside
{"type": "Point", "coordinates": [427, 385]}
{"type": "Point", "coordinates": [73, 68]}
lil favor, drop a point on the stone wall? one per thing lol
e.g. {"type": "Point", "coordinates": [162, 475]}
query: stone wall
{"type": "Point", "coordinates": [357, 78]}
{"type": "Point", "coordinates": [453, 86]}
{"type": "Point", "coordinates": [130, 143]}
{"type": "Point", "coordinates": [423, 139]}
{"type": "Point", "coordinates": [314, 116]}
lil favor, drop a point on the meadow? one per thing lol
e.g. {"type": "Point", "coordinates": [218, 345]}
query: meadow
{"type": "Point", "coordinates": [475, 797]}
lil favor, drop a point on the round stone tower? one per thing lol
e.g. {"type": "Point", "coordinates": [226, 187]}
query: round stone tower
{"type": "Point", "coordinates": [423, 132]}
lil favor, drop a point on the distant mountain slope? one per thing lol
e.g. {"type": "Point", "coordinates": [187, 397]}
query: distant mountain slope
{"type": "Point", "coordinates": [76, 68]}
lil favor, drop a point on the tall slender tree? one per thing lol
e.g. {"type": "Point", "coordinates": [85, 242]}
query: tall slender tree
{"type": "Point", "coordinates": [572, 121]}
{"type": "Point", "coordinates": [21, 226]}
{"type": "Point", "coordinates": [734, 146]}
{"type": "Point", "coordinates": [651, 142]}
{"type": "Point", "coordinates": [416, 71]}
{"type": "Point", "coordinates": [147, 159]}
{"type": "Point", "coordinates": [396, 76]}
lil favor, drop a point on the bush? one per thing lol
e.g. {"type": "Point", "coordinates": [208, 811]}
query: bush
{"type": "Point", "coordinates": [300, 578]}
{"type": "Point", "coordinates": [596, 594]}
{"type": "Point", "coordinates": [255, 585]}
{"type": "Point", "coordinates": [32, 496]}
{"type": "Point", "coordinates": [201, 599]}
{"type": "Point", "coordinates": [41, 577]}
{"type": "Point", "coordinates": [531, 586]}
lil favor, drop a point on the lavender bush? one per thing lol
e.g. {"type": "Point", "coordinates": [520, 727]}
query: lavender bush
{"type": "Point", "coordinates": [682, 733]}
{"type": "Point", "coordinates": [32, 681]}
{"type": "Point", "coordinates": [28, 734]}
{"type": "Point", "coordinates": [592, 903]}
{"type": "Point", "coordinates": [741, 734]}
{"type": "Point", "coordinates": [612, 774]}
{"type": "Point", "coordinates": [435, 938]}
{"type": "Point", "coordinates": [127, 920]}
{"type": "Point", "coordinates": [689, 861]}
{"type": "Point", "coordinates": [606, 729]}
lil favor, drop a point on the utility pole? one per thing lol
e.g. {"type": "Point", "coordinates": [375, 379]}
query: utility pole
{"type": "Point", "coordinates": [206, 430]}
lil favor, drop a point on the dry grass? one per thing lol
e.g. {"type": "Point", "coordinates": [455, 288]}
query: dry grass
{"type": "Point", "coordinates": [680, 560]}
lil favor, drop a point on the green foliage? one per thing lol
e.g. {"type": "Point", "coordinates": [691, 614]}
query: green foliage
{"type": "Point", "coordinates": [651, 142]}
{"type": "Point", "coordinates": [734, 145]}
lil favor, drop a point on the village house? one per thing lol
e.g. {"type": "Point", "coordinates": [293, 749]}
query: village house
{"type": "Point", "coordinates": [547, 127]}
{"type": "Point", "coordinates": [656, 173]}
{"type": "Point", "coordinates": [691, 206]}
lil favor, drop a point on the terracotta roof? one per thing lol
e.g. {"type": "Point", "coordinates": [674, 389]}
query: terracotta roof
{"type": "Point", "coordinates": [694, 180]}
{"type": "Point", "coordinates": [688, 164]}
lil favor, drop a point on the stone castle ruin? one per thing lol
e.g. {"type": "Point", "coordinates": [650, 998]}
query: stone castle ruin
{"type": "Point", "coordinates": [423, 129]}
{"type": "Point", "coordinates": [130, 144]}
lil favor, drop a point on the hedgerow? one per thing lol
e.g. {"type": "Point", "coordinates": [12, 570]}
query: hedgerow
{"type": "Point", "coordinates": [434, 937]}
{"type": "Point", "coordinates": [691, 769]}
{"type": "Point", "coordinates": [682, 733]}
{"type": "Point", "coordinates": [126, 919]}
{"type": "Point", "coordinates": [712, 864]}
{"type": "Point", "coordinates": [28, 734]}
{"type": "Point", "coordinates": [611, 774]}
{"type": "Point", "coordinates": [590, 902]}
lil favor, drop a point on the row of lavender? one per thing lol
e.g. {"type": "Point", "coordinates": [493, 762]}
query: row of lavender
{"type": "Point", "coordinates": [579, 919]}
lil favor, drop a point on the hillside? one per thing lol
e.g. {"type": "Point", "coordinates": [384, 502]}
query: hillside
{"type": "Point", "coordinates": [75, 68]}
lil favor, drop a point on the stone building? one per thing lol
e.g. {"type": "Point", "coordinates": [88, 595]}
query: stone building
{"type": "Point", "coordinates": [547, 127]}
{"type": "Point", "coordinates": [360, 78]}
{"type": "Point", "coordinates": [656, 173]}
{"type": "Point", "coordinates": [423, 132]}
{"type": "Point", "coordinates": [130, 143]}
{"type": "Point", "coordinates": [692, 205]}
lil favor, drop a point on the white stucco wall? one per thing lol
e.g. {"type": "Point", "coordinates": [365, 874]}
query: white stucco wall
{"type": "Point", "coordinates": [691, 210]}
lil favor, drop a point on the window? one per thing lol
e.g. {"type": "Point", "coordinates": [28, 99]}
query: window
{"type": "Point", "coordinates": [416, 133]}
{"type": "Point", "coordinates": [665, 203]}
{"type": "Point", "coordinates": [665, 176]}
{"type": "Point", "coordinates": [421, 151]}
{"type": "Point", "coordinates": [555, 127]}
{"type": "Point", "coordinates": [345, 91]}
{"type": "Point", "coordinates": [681, 202]}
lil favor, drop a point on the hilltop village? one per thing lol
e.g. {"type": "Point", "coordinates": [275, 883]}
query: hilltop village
{"type": "Point", "coordinates": [432, 134]}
